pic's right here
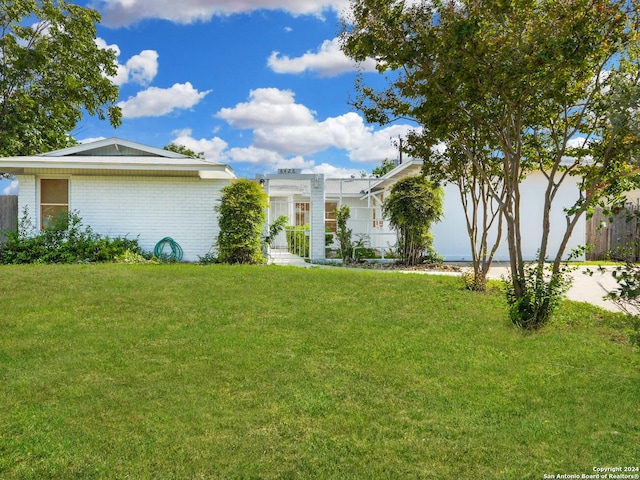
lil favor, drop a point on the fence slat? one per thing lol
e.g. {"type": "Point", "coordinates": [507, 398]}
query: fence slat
{"type": "Point", "coordinates": [617, 238]}
{"type": "Point", "coordinates": [8, 215]}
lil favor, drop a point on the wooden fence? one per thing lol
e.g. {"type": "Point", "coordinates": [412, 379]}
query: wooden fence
{"type": "Point", "coordinates": [617, 238]}
{"type": "Point", "coordinates": [8, 215]}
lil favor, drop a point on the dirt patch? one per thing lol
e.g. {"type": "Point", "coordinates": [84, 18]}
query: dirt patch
{"type": "Point", "coordinates": [424, 267]}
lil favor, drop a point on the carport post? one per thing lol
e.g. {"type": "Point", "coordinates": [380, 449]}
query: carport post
{"type": "Point", "coordinates": [317, 233]}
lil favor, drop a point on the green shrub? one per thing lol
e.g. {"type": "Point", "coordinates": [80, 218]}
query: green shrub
{"type": "Point", "coordinates": [241, 219]}
{"type": "Point", "coordinates": [343, 233]}
{"type": "Point", "coordinates": [362, 248]}
{"type": "Point", "coordinates": [627, 297]}
{"type": "Point", "coordinates": [66, 241]}
{"type": "Point", "coordinates": [473, 282]}
{"type": "Point", "coordinates": [543, 292]}
{"type": "Point", "coordinates": [413, 205]}
{"type": "Point", "coordinates": [275, 229]}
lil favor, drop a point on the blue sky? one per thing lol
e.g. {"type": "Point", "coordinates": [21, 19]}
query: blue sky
{"type": "Point", "coordinates": [256, 84]}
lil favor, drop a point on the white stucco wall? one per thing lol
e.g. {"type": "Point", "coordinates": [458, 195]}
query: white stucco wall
{"type": "Point", "coordinates": [452, 242]}
{"type": "Point", "coordinates": [149, 208]}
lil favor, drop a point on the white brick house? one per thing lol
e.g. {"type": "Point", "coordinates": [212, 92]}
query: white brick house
{"type": "Point", "coordinates": [123, 188]}
{"type": "Point", "coordinates": [290, 195]}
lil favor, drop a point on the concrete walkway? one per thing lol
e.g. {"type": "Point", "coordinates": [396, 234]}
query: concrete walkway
{"type": "Point", "coordinates": [279, 256]}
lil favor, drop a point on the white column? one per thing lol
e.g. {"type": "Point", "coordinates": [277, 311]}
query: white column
{"type": "Point", "coordinates": [317, 247]}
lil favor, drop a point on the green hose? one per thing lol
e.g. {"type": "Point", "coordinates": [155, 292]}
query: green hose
{"type": "Point", "coordinates": [176, 250]}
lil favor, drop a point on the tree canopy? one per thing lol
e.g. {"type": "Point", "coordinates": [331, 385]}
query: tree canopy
{"type": "Point", "coordinates": [51, 72]}
{"type": "Point", "coordinates": [172, 147]}
{"type": "Point", "coordinates": [384, 168]}
{"type": "Point", "coordinates": [550, 86]}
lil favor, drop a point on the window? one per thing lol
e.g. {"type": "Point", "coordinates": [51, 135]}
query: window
{"type": "Point", "coordinates": [377, 217]}
{"type": "Point", "coordinates": [302, 214]}
{"type": "Point", "coordinates": [378, 221]}
{"type": "Point", "coordinates": [330, 216]}
{"type": "Point", "coordinates": [54, 200]}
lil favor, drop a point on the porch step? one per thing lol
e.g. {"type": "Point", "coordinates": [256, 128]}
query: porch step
{"type": "Point", "coordinates": [280, 256]}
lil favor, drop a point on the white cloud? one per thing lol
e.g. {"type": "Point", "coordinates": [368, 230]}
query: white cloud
{"type": "Point", "coordinates": [267, 107]}
{"type": "Point", "coordinates": [267, 158]}
{"type": "Point", "coordinates": [12, 189]}
{"type": "Point", "coordinates": [578, 142]}
{"type": "Point", "coordinates": [156, 102]}
{"type": "Point", "coordinates": [330, 171]}
{"type": "Point", "coordinates": [127, 12]}
{"type": "Point", "coordinates": [213, 148]}
{"type": "Point", "coordinates": [328, 61]}
{"type": "Point", "coordinates": [91, 139]}
{"type": "Point", "coordinates": [141, 68]}
{"type": "Point", "coordinates": [282, 126]}
{"type": "Point", "coordinates": [256, 156]}
{"type": "Point", "coordinates": [380, 144]}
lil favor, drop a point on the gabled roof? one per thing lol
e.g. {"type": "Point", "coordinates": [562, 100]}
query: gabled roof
{"type": "Point", "coordinates": [405, 169]}
{"type": "Point", "coordinates": [113, 146]}
{"type": "Point", "coordinates": [116, 156]}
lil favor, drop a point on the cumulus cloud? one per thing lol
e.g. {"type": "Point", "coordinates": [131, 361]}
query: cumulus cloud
{"type": "Point", "coordinates": [11, 189]}
{"type": "Point", "coordinates": [267, 158]}
{"type": "Point", "coordinates": [91, 139]}
{"type": "Point", "coordinates": [127, 12]}
{"type": "Point", "coordinates": [156, 102]}
{"type": "Point", "coordinates": [578, 142]}
{"type": "Point", "coordinates": [213, 148]}
{"type": "Point", "coordinates": [141, 68]}
{"type": "Point", "coordinates": [288, 128]}
{"type": "Point", "coordinates": [267, 107]}
{"type": "Point", "coordinates": [327, 61]}
{"type": "Point", "coordinates": [330, 171]}
{"type": "Point", "coordinates": [380, 144]}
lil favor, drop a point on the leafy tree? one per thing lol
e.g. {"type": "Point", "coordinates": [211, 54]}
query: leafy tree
{"type": "Point", "coordinates": [241, 219]}
{"type": "Point", "coordinates": [344, 233]}
{"type": "Point", "coordinates": [51, 70]}
{"type": "Point", "coordinates": [457, 164]}
{"type": "Point", "coordinates": [412, 206]}
{"type": "Point", "coordinates": [551, 86]}
{"type": "Point", "coordinates": [181, 149]}
{"type": "Point", "coordinates": [382, 170]}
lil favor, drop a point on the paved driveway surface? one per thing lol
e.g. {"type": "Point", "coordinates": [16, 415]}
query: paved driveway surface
{"type": "Point", "coordinates": [584, 288]}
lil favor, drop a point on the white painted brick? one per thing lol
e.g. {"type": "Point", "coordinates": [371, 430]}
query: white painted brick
{"type": "Point", "coordinates": [145, 207]}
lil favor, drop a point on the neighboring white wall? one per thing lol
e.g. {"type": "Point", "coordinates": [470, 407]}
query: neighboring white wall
{"type": "Point", "coordinates": [451, 239]}
{"type": "Point", "coordinates": [452, 242]}
{"type": "Point", "coordinates": [361, 222]}
{"type": "Point", "coordinates": [27, 197]}
{"type": "Point", "coordinates": [149, 208]}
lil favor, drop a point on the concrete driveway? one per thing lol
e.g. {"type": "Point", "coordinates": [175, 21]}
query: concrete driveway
{"type": "Point", "coordinates": [585, 288]}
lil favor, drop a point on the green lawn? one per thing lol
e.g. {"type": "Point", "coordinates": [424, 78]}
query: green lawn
{"type": "Point", "coordinates": [189, 372]}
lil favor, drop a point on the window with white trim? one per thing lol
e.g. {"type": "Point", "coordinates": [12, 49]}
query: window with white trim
{"type": "Point", "coordinates": [54, 200]}
{"type": "Point", "coordinates": [331, 216]}
{"type": "Point", "coordinates": [302, 213]}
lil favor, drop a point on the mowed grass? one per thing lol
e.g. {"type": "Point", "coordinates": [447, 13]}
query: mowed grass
{"type": "Point", "coordinates": [189, 372]}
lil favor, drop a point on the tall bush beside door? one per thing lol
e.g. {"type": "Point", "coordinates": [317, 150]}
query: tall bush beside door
{"type": "Point", "coordinates": [241, 219]}
{"type": "Point", "coordinates": [413, 205]}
